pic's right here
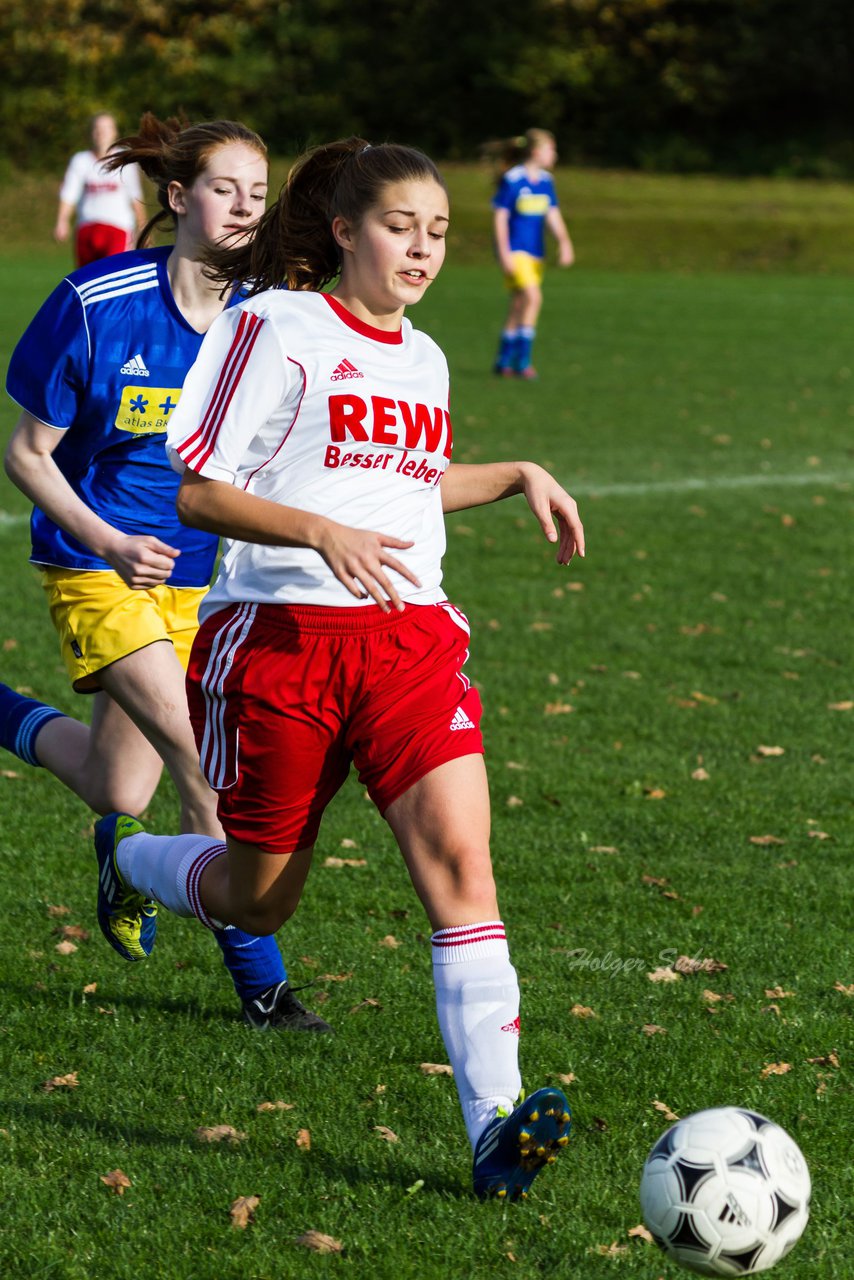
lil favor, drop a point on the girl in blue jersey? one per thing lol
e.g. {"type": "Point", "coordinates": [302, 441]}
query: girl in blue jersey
{"type": "Point", "coordinates": [123, 578]}
{"type": "Point", "coordinates": [524, 205]}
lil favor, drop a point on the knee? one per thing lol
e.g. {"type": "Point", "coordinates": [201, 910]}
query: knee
{"type": "Point", "coordinates": [262, 918]}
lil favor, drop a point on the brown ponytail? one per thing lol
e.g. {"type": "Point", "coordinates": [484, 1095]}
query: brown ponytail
{"type": "Point", "coordinates": [173, 150]}
{"type": "Point", "coordinates": [293, 243]}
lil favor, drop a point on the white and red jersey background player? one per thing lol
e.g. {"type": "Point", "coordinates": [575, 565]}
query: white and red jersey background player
{"type": "Point", "coordinates": [295, 400]}
{"type": "Point", "coordinates": [101, 196]}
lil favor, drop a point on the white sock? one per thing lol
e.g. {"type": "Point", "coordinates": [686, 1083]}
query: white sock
{"type": "Point", "coordinates": [169, 868]}
{"type": "Point", "coordinates": [477, 1003]}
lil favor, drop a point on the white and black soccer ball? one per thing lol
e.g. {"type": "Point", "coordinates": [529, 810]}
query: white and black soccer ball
{"type": "Point", "coordinates": [725, 1192]}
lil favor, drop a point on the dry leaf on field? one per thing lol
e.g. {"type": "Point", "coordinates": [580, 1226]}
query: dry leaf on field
{"type": "Point", "coordinates": [770, 751]}
{"type": "Point", "coordinates": [514, 802]}
{"type": "Point", "coordinates": [690, 964]}
{"type": "Point", "coordinates": [69, 1081]}
{"type": "Point", "coordinates": [663, 974]}
{"type": "Point", "coordinates": [335, 977]}
{"type": "Point", "coordinates": [102, 1010]}
{"type": "Point", "coordinates": [603, 848]}
{"type": "Point", "coordinates": [387, 1135]}
{"type": "Point", "coordinates": [774, 1069]}
{"type": "Point", "coordinates": [612, 1250]}
{"type": "Point", "coordinates": [840, 706]}
{"type": "Point", "coordinates": [9, 773]}
{"type": "Point", "coordinates": [777, 993]}
{"type": "Point", "coordinates": [541, 626]}
{"type": "Point", "coordinates": [846, 990]}
{"type": "Point", "coordinates": [771, 1008]}
{"type": "Point", "coordinates": [828, 1060]}
{"type": "Point", "coordinates": [390, 941]}
{"type": "Point", "coordinates": [514, 764]}
{"type": "Point", "coordinates": [319, 1243]}
{"type": "Point", "coordinates": [242, 1211]}
{"type": "Point", "coordinates": [558, 709]}
{"type": "Point", "coordinates": [349, 844]}
{"type": "Point", "coordinates": [582, 1011]}
{"type": "Point", "coordinates": [276, 1106]}
{"type": "Point", "coordinates": [345, 862]}
{"type": "Point", "coordinates": [704, 697]}
{"type": "Point", "coordinates": [701, 775]}
{"type": "Point", "coordinates": [219, 1133]}
{"type": "Point", "coordinates": [303, 1139]}
{"type": "Point", "coordinates": [653, 1029]}
{"type": "Point", "coordinates": [436, 1069]}
{"type": "Point", "coordinates": [664, 1109]}
{"type": "Point", "coordinates": [10, 644]}
{"type": "Point", "coordinates": [659, 880]}
{"type": "Point", "coordinates": [90, 988]}
{"type": "Point", "coordinates": [640, 1233]}
{"type": "Point", "coordinates": [65, 948]}
{"type": "Point", "coordinates": [654, 793]}
{"type": "Point", "coordinates": [369, 1003]}
{"type": "Point", "coordinates": [116, 1181]}
{"type": "Point", "coordinates": [766, 840]}
{"type": "Point", "coordinates": [820, 835]}
{"type": "Point", "coordinates": [57, 910]}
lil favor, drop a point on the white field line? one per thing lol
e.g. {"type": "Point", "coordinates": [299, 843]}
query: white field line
{"type": "Point", "coordinates": [710, 484]}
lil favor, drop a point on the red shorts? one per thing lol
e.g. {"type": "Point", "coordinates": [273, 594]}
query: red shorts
{"type": "Point", "coordinates": [99, 240]}
{"type": "Point", "coordinates": [283, 698]}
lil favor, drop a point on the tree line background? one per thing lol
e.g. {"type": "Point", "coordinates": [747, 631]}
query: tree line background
{"type": "Point", "coordinates": [738, 86]}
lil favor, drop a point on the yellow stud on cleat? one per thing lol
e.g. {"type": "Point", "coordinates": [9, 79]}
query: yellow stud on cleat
{"type": "Point", "coordinates": [524, 1135]}
{"type": "Point", "coordinates": [561, 1142]}
{"type": "Point", "coordinates": [535, 1115]}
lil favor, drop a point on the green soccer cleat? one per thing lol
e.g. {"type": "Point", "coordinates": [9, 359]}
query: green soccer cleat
{"type": "Point", "coordinates": [513, 1149]}
{"type": "Point", "coordinates": [128, 920]}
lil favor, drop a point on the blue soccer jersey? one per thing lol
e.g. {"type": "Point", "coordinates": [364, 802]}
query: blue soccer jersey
{"type": "Point", "coordinates": [527, 203]}
{"type": "Point", "coordinates": [104, 360]}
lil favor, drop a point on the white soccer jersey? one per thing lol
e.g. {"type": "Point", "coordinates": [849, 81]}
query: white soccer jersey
{"type": "Point", "coordinates": [295, 400]}
{"type": "Point", "coordinates": [101, 196]}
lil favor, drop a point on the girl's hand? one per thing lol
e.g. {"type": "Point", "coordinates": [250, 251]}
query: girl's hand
{"type": "Point", "coordinates": [359, 558]}
{"type": "Point", "coordinates": [547, 499]}
{"type": "Point", "coordinates": [141, 560]}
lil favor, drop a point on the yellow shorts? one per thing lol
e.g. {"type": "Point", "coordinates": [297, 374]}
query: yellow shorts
{"type": "Point", "coordinates": [527, 270]}
{"type": "Point", "coordinates": [100, 619]}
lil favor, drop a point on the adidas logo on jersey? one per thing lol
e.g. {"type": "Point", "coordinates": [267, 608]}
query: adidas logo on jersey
{"type": "Point", "coordinates": [135, 367]}
{"type": "Point", "coordinates": [345, 370]}
{"type": "Point", "coordinates": [461, 720]}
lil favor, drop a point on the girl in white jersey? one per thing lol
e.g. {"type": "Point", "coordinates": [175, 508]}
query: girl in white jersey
{"type": "Point", "coordinates": [315, 436]}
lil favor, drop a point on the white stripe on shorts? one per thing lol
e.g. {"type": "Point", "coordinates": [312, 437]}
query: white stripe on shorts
{"type": "Point", "coordinates": [213, 754]}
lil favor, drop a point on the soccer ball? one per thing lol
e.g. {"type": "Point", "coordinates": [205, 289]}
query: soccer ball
{"type": "Point", "coordinates": [725, 1192]}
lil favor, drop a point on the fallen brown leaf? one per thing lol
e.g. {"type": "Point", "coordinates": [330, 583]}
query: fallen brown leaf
{"type": "Point", "coordinates": [73, 931]}
{"type": "Point", "coordinates": [653, 1029]}
{"type": "Point", "coordinates": [436, 1069]}
{"type": "Point", "coordinates": [69, 1081]}
{"type": "Point", "coordinates": [242, 1211]}
{"type": "Point", "coordinates": [349, 844]}
{"type": "Point", "coordinates": [654, 793]}
{"type": "Point", "coordinates": [603, 848]}
{"type": "Point", "coordinates": [565, 1077]}
{"type": "Point", "coordinates": [558, 709]}
{"type": "Point", "coordinates": [846, 990]}
{"type": "Point", "coordinates": [582, 1011]}
{"type": "Point", "coordinates": [612, 1250]}
{"type": "Point", "coordinates": [770, 751]}
{"type": "Point", "coordinates": [65, 948]}
{"type": "Point", "coordinates": [766, 839]}
{"type": "Point", "coordinates": [336, 977]}
{"type": "Point", "coordinates": [777, 993]}
{"type": "Point", "coordinates": [840, 706]}
{"type": "Point", "coordinates": [319, 1243]}
{"type": "Point", "coordinates": [775, 1069]}
{"type": "Point", "coordinates": [303, 1139]}
{"type": "Point", "coordinates": [688, 964]}
{"type": "Point", "coordinates": [663, 974]}
{"type": "Point", "coordinates": [388, 1135]}
{"type": "Point", "coordinates": [390, 941]}
{"type": "Point", "coordinates": [276, 1106]}
{"type": "Point", "coordinates": [514, 802]}
{"type": "Point", "coordinates": [820, 835]}
{"type": "Point", "coordinates": [659, 880]}
{"type": "Point", "coordinates": [701, 775]}
{"type": "Point", "coordinates": [665, 1110]}
{"type": "Point", "coordinates": [640, 1233]}
{"type": "Point", "coordinates": [828, 1060]}
{"type": "Point", "coordinates": [57, 910]}
{"type": "Point", "coordinates": [116, 1181]}
{"type": "Point", "coordinates": [219, 1133]}
{"type": "Point", "coordinates": [90, 988]}
{"type": "Point", "coordinates": [369, 1003]}
{"type": "Point", "coordinates": [345, 862]}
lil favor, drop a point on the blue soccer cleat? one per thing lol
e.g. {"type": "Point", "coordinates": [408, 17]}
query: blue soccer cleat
{"type": "Point", "coordinates": [513, 1148]}
{"type": "Point", "coordinates": [128, 920]}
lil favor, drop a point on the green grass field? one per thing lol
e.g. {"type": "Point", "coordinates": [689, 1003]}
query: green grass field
{"type": "Point", "coordinates": [703, 421]}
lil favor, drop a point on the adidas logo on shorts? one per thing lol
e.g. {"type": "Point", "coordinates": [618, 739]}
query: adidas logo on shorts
{"type": "Point", "coordinates": [345, 370]}
{"type": "Point", "coordinates": [461, 720]}
{"type": "Point", "coordinates": [135, 367]}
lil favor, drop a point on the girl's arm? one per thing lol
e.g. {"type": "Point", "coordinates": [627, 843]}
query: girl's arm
{"type": "Point", "coordinates": [557, 226]}
{"type": "Point", "coordinates": [357, 557]}
{"type": "Point", "coordinates": [467, 485]}
{"type": "Point", "coordinates": [501, 231]}
{"type": "Point", "coordinates": [141, 560]}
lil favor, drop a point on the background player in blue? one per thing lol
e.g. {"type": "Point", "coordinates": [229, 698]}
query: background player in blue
{"type": "Point", "coordinates": [97, 374]}
{"type": "Point", "coordinates": [523, 206]}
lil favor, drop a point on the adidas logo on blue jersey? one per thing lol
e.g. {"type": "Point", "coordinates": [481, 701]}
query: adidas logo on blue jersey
{"type": "Point", "coordinates": [135, 367]}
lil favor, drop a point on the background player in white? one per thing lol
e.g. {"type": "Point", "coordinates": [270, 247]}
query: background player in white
{"type": "Point", "coordinates": [105, 203]}
{"type": "Point", "coordinates": [309, 423]}
{"type": "Point", "coordinates": [97, 374]}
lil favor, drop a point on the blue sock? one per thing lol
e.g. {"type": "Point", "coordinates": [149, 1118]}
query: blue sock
{"type": "Point", "coordinates": [21, 721]}
{"type": "Point", "coordinates": [524, 346]}
{"type": "Point", "coordinates": [507, 350]}
{"type": "Point", "coordinates": [255, 963]}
